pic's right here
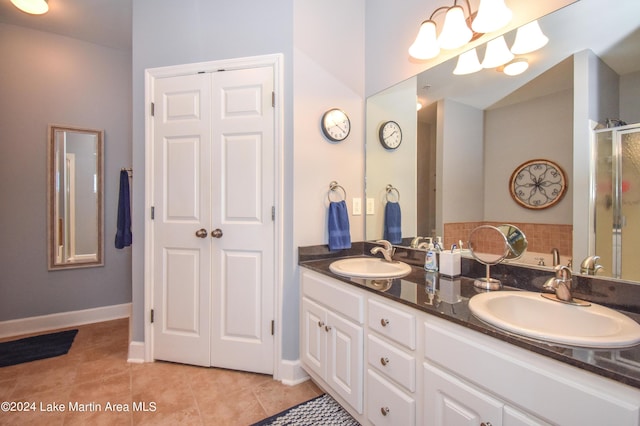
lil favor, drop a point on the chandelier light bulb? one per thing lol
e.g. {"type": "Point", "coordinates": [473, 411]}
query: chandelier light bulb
{"type": "Point", "coordinates": [468, 63]}
{"type": "Point", "coordinates": [426, 45]}
{"type": "Point", "coordinates": [33, 7]}
{"type": "Point", "coordinates": [455, 32]}
{"type": "Point", "coordinates": [529, 37]}
{"type": "Point", "coordinates": [497, 53]}
{"type": "Point", "coordinates": [492, 15]}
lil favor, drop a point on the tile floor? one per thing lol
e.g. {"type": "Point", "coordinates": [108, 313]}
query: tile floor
{"type": "Point", "coordinates": [95, 372]}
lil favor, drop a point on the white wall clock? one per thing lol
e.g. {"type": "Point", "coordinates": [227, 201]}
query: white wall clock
{"type": "Point", "coordinates": [390, 135]}
{"type": "Point", "coordinates": [335, 125]}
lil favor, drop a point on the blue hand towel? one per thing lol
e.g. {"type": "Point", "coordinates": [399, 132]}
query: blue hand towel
{"type": "Point", "coordinates": [392, 223]}
{"type": "Point", "coordinates": [339, 235]}
{"type": "Point", "coordinates": [123, 233]}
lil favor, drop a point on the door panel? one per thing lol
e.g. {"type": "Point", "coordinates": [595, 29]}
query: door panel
{"type": "Point", "coordinates": [243, 190]}
{"type": "Point", "coordinates": [246, 180]}
{"type": "Point", "coordinates": [243, 278]}
{"type": "Point", "coordinates": [183, 267]}
{"type": "Point", "coordinates": [181, 260]}
{"type": "Point", "coordinates": [181, 183]}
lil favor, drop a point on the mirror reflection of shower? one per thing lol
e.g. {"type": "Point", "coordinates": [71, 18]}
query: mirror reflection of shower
{"type": "Point", "coordinates": [616, 206]}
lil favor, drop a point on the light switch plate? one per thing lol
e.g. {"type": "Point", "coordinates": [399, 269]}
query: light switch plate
{"type": "Point", "coordinates": [357, 206]}
{"type": "Point", "coordinates": [370, 206]}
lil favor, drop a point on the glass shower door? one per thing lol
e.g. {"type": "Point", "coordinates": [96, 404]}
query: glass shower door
{"type": "Point", "coordinates": [628, 187]}
{"type": "Point", "coordinates": [617, 201]}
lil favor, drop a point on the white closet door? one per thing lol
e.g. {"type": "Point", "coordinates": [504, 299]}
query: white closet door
{"type": "Point", "coordinates": [243, 194]}
{"type": "Point", "coordinates": [182, 202]}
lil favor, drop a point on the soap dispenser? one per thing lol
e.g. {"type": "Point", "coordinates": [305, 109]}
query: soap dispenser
{"type": "Point", "coordinates": [431, 260]}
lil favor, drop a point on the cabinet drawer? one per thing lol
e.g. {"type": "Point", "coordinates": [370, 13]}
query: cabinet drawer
{"type": "Point", "coordinates": [392, 323]}
{"type": "Point", "coordinates": [387, 405]}
{"type": "Point", "coordinates": [393, 362]}
{"type": "Point", "coordinates": [333, 295]}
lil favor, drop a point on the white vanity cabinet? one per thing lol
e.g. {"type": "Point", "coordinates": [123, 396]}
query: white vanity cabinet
{"type": "Point", "coordinates": [332, 336]}
{"type": "Point", "coordinates": [391, 364]}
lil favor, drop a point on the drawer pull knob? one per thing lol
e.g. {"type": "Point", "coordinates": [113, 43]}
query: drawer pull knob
{"type": "Point", "coordinates": [327, 328]}
{"type": "Point", "coordinates": [485, 424]}
{"type": "Point", "coordinates": [384, 360]}
{"type": "Point", "coordinates": [384, 322]}
{"type": "Point", "coordinates": [385, 411]}
{"type": "Point", "coordinates": [320, 324]}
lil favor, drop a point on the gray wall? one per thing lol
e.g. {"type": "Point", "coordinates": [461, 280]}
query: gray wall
{"type": "Point", "coordinates": [46, 79]}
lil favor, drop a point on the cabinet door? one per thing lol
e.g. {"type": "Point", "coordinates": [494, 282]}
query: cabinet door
{"type": "Point", "coordinates": [449, 401]}
{"type": "Point", "coordinates": [345, 362]}
{"type": "Point", "coordinates": [314, 337]}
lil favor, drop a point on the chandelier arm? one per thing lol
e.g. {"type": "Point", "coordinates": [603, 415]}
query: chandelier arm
{"type": "Point", "coordinates": [468, 6]}
{"type": "Point", "coordinates": [436, 11]}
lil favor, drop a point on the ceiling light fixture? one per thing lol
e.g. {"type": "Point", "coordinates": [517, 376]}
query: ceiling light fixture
{"type": "Point", "coordinates": [458, 29]}
{"type": "Point", "coordinates": [468, 63]}
{"type": "Point", "coordinates": [497, 53]}
{"type": "Point", "coordinates": [426, 45]}
{"type": "Point", "coordinates": [515, 67]}
{"type": "Point", "coordinates": [33, 7]}
{"type": "Point", "coordinates": [455, 31]}
{"type": "Point", "coordinates": [492, 15]}
{"type": "Point", "coordinates": [529, 37]}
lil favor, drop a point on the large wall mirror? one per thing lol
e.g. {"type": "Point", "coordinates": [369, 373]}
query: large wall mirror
{"type": "Point", "coordinates": [460, 149]}
{"type": "Point", "coordinates": [75, 194]}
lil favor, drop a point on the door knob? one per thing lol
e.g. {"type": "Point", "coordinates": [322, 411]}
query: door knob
{"type": "Point", "coordinates": [216, 233]}
{"type": "Point", "coordinates": [201, 233]}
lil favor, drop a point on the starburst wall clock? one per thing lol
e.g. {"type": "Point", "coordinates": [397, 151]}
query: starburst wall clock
{"type": "Point", "coordinates": [538, 184]}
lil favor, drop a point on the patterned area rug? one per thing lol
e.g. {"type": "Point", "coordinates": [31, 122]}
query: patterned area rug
{"type": "Point", "coordinates": [320, 411]}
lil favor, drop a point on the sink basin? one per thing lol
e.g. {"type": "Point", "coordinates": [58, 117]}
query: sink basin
{"type": "Point", "coordinates": [369, 267]}
{"type": "Point", "coordinates": [531, 315]}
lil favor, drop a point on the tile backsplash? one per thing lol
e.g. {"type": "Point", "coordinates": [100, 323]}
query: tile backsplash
{"type": "Point", "coordinates": [542, 237]}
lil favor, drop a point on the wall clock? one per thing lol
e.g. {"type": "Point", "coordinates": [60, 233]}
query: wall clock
{"type": "Point", "coordinates": [335, 125]}
{"type": "Point", "coordinates": [538, 184]}
{"type": "Point", "coordinates": [390, 135]}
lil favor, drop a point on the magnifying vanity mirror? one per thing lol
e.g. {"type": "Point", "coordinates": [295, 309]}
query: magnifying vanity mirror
{"type": "Point", "coordinates": [472, 131]}
{"type": "Point", "coordinates": [75, 194]}
{"type": "Point", "coordinates": [490, 245]}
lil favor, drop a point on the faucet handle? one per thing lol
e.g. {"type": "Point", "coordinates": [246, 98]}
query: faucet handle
{"type": "Point", "coordinates": [387, 245]}
{"type": "Point", "coordinates": [563, 273]}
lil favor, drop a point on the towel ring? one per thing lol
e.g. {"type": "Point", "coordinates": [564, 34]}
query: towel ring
{"type": "Point", "coordinates": [390, 189]}
{"type": "Point", "coordinates": [334, 187]}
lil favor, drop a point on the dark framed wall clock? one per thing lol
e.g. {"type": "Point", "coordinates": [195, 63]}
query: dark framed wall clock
{"type": "Point", "coordinates": [335, 125]}
{"type": "Point", "coordinates": [390, 135]}
{"type": "Point", "coordinates": [538, 184]}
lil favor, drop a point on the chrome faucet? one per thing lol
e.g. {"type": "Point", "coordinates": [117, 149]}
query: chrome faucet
{"type": "Point", "coordinates": [415, 243]}
{"type": "Point", "coordinates": [387, 251]}
{"type": "Point", "coordinates": [590, 265]}
{"type": "Point", "coordinates": [560, 284]}
{"type": "Point", "coordinates": [556, 256]}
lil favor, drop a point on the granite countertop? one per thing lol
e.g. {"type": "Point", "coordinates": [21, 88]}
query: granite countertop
{"type": "Point", "coordinates": [448, 298]}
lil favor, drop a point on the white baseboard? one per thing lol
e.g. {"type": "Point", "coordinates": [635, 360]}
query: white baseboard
{"type": "Point", "coordinates": [63, 319]}
{"type": "Point", "coordinates": [291, 372]}
{"type": "Point", "coordinates": [136, 352]}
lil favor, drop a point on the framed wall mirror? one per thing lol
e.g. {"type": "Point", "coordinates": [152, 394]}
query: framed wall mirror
{"type": "Point", "coordinates": [75, 197]}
